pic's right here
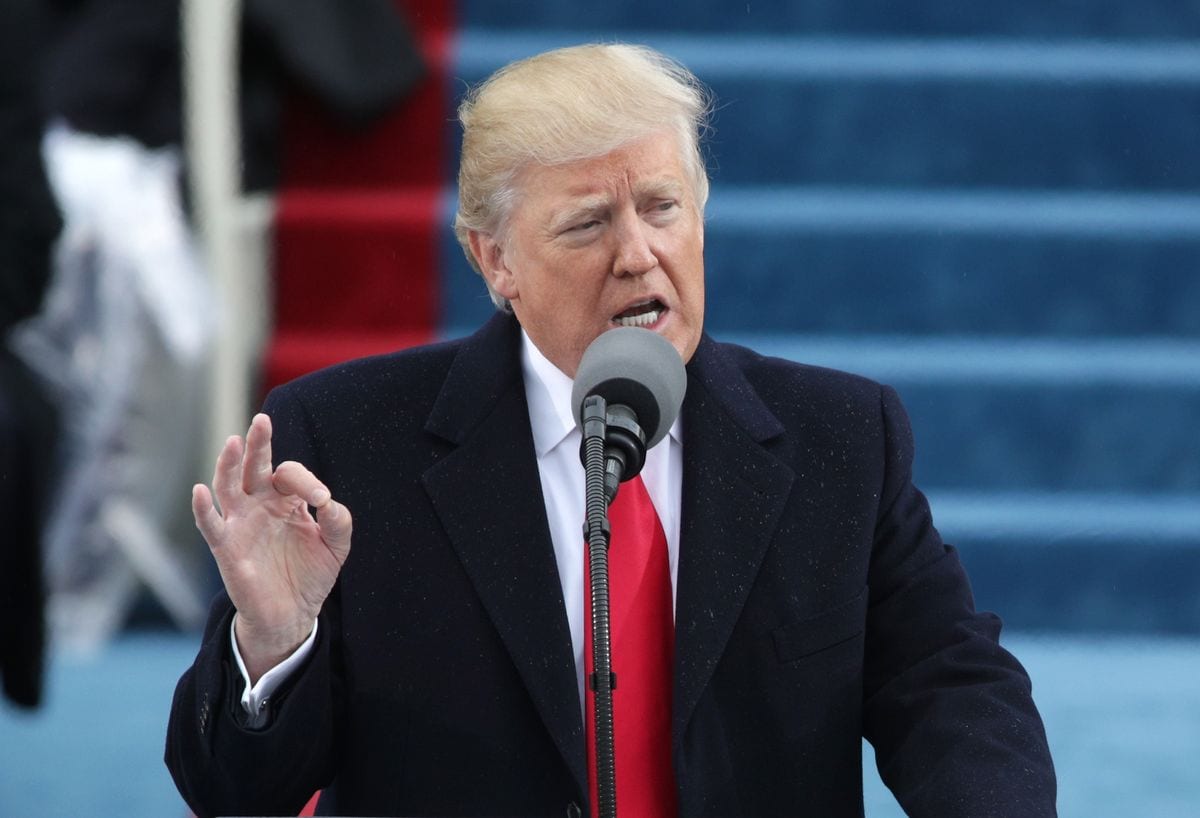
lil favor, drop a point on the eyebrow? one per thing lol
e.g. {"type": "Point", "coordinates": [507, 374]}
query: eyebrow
{"type": "Point", "coordinates": [577, 210]}
{"type": "Point", "coordinates": [663, 186]}
{"type": "Point", "coordinates": [590, 205]}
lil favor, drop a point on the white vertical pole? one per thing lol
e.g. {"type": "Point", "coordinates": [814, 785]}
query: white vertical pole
{"type": "Point", "coordinates": [231, 229]}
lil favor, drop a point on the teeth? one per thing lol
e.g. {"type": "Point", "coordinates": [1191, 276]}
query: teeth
{"type": "Point", "coordinates": [643, 320]}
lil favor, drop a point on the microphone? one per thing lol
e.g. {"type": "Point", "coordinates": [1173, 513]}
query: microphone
{"type": "Point", "coordinates": [627, 393]}
{"type": "Point", "coordinates": [628, 389]}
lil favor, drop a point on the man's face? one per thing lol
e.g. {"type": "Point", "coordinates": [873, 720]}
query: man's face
{"type": "Point", "coordinates": [601, 243]}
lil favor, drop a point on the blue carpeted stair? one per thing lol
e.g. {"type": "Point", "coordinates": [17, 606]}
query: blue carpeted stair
{"type": "Point", "coordinates": [994, 209]}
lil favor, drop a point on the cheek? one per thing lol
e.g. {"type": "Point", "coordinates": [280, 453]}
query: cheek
{"type": "Point", "coordinates": [584, 282]}
{"type": "Point", "coordinates": [689, 272]}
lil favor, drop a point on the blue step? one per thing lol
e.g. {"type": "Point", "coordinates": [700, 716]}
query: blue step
{"type": "Point", "coordinates": [926, 262]}
{"type": "Point", "coordinates": [1079, 562]}
{"type": "Point", "coordinates": [979, 114]}
{"type": "Point", "coordinates": [1069, 437]}
{"type": "Point", "coordinates": [1033, 18]}
{"type": "Point", "coordinates": [984, 263]}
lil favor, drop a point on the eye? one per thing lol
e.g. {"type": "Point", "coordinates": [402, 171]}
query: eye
{"type": "Point", "coordinates": [579, 228]}
{"type": "Point", "coordinates": [662, 209]}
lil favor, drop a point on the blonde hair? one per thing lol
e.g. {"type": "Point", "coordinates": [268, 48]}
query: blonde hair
{"type": "Point", "coordinates": [566, 105]}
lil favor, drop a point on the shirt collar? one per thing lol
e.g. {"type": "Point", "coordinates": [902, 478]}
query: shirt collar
{"type": "Point", "coordinates": [548, 393]}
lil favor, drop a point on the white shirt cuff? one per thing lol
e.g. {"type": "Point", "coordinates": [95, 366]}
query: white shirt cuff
{"type": "Point", "coordinates": [255, 698]}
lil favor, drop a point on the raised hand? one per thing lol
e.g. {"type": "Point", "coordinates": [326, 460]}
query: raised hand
{"type": "Point", "coordinates": [277, 560]}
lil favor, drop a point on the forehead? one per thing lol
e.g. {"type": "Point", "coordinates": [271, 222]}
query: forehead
{"type": "Point", "coordinates": [645, 167]}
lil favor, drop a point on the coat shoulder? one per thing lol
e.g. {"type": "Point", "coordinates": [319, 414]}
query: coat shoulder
{"type": "Point", "coordinates": [399, 381]}
{"type": "Point", "coordinates": [782, 383]}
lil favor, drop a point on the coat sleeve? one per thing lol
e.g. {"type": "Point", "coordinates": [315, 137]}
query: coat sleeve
{"type": "Point", "coordinates": [223, 768]}
{"type": "Point", "coordinates": [948, 711]}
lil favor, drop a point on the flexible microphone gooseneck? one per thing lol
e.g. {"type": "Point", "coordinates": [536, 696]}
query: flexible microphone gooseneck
{"type": "Point", "coordinates": [628, 390]}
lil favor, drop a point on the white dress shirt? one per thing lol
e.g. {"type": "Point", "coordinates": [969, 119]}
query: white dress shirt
{"type": "Point", "coordinates": [556, 442]}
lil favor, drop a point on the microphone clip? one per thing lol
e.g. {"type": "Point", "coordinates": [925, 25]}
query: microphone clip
{"type": "Point", "coordinates": [624, 441]}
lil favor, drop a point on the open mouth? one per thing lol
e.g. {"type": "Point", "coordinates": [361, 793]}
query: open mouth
{"type": "Point", "coordinates": [644, 314]}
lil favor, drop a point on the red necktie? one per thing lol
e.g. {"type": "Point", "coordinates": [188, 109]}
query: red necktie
{"type": "Point", "coordinates": [642, 628]}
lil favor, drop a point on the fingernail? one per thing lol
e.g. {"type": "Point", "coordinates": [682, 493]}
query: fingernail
{"type": "Point", "coordinates": [320, 497]}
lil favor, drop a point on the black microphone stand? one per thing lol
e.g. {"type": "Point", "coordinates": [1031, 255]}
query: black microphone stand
{"type": "Point", "coordinates": [613, 449]}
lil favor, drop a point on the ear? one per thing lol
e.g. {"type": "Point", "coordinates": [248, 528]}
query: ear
{"type": "Point", "coordinates": [490, 256]}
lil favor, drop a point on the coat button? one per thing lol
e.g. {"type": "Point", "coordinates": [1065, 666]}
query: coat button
{"type": "Point", "coordinates": [573, 810]}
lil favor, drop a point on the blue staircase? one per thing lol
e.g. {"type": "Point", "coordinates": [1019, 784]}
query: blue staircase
{"type": "Point", "coordinates": [995, 209]}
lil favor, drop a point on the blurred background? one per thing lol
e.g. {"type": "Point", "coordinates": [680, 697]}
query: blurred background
{"type": "Point", "coordinates": [993, 207]}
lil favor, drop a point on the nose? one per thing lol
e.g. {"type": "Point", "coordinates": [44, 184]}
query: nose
{"type": "Point", "coordinates": [634, 255]}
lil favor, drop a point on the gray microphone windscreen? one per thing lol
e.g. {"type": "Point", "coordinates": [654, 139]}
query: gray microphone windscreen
{"type": "Point", "coordinates": [638, 368]}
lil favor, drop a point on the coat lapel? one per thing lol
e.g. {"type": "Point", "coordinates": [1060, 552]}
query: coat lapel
{"type": "Point", "coordinates": [734, 491]}
{"type": "Point", "coordinates": [488, 496]}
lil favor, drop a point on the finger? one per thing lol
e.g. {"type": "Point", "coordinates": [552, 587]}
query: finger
{"type": "Point", "coordinates": [207, 519]}
{"type": "Point", "coordinates": [336, 526]}
{"type": "Point", "coordinates": [293, 478]}
{"type": "Point", "coordinates": [227, 474]}
{"type": "Point", "coordinates": [256, 463]}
